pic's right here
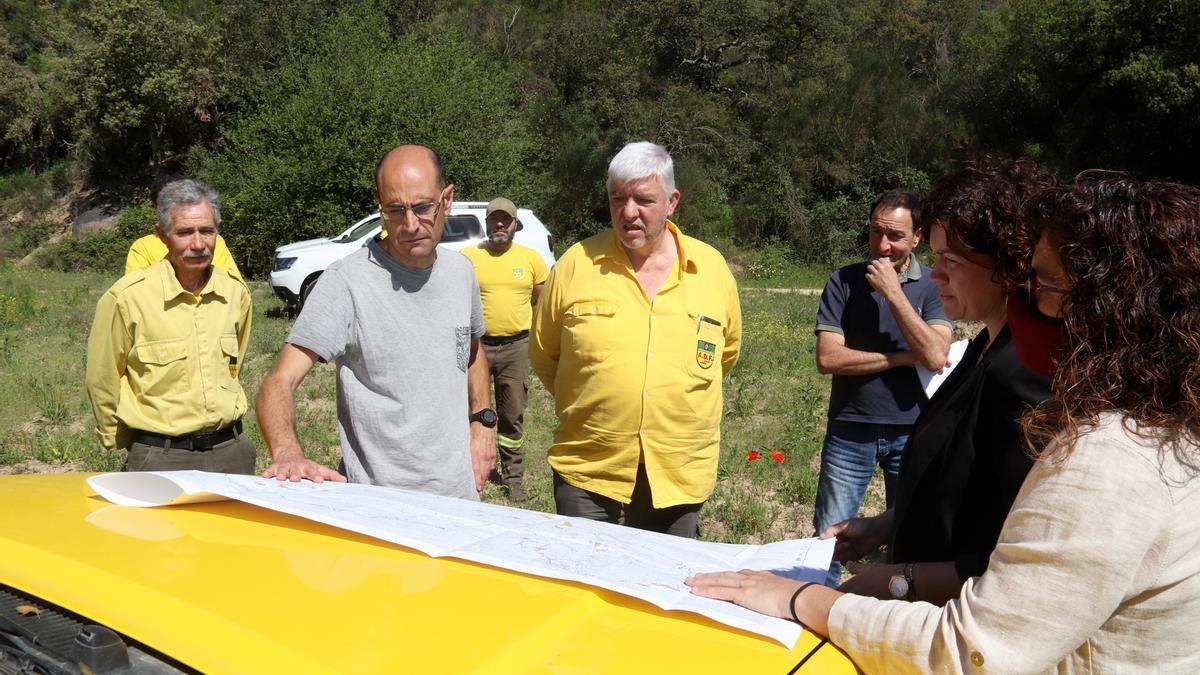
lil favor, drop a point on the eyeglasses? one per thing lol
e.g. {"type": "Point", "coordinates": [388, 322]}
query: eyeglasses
{"type": "Point", "coordinates": [423, 211]}
{"type": "Point", "coordinates": [1036, 286]}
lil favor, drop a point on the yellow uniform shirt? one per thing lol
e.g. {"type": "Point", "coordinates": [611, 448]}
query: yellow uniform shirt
{"type": "Point", "coordinates": [149, 250]}
{"type": "Point", "coordinates": [633, 379]}
{"type": "Point", "coordinates": [164, 360]}
{"type": "Point", "coordinates": [506, 282]}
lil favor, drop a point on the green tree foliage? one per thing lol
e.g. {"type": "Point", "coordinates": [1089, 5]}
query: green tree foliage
{"type": "Point", "coordinates": [35, 101]}
{"type": "Point", "coordinates": [1086, 83]}
{"type": "Point", "coordinates": [785, 117]}
{"type": "Point", "coordinates": [145, 85]}
{"type": "Point", "coordinates": [301, 163]}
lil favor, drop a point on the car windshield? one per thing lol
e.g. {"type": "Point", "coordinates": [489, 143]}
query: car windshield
{"type": "Point", "coordinates": [358, 232]}
{"type": "Point", "coordinates": [462, 228]}
{"type": "Point", "coordinates": [458, 228]}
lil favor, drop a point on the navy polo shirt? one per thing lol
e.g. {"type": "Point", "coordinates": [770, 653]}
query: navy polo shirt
{"type": "Point", "coordinates": [851, 308]}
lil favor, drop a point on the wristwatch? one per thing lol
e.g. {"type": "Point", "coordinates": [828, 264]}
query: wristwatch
{"type": "Point", "coordinates": [900, 585]}
{"type": "Point", "coordinates": [487, 417]}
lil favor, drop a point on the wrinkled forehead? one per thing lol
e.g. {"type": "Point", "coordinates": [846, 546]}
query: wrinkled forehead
{"type": "Point", "coordinates": [648, 186]}
{"type": "Point", "coordinates": [897, 220]}
{"type": "Point", "coordinates": [198, 214]}
{"type": "Point", "coordinates": [408, 178]}
{"type": "Point", "coordinates": [943, 239]}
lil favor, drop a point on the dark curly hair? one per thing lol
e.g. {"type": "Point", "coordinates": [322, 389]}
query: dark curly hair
{"type": "Point", "coordinates": [1131, 319]}
{"type": "Point", "coordinates": [979, 203]}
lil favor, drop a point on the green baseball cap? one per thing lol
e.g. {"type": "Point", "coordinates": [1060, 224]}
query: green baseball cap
{"type": "Point", "coordinates": [502, 204]}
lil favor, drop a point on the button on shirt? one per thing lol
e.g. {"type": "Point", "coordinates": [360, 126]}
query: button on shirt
{"type": "Point", "coordinates": [506, 282]}
{"type": "Point", "coordinates": [633, 378]}
{"type": "Point", "coordinates": [164, 360]}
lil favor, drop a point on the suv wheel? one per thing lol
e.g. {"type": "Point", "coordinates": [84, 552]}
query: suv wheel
{"type": "Point", "coordinates": [306, 289]}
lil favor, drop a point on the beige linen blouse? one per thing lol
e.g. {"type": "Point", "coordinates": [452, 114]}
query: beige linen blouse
{"type": "Point", "coordinates": [1097, 570]}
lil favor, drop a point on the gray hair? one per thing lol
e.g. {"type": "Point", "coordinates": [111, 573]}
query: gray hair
{"type": "Point", "coordinates": [642, 159]}
{"type": "Point", "coordinates": [186, 192]}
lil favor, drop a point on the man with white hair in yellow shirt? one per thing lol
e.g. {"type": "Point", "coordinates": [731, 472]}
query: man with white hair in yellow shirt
{"type": "Point", "coordinates": [633, 335]}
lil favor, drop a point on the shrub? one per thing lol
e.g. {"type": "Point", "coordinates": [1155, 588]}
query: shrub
{"type": "Point", "coordinates": [100, 252]}
{"type": "Point", "coordinates": [25, 191]}
{"type": "Point", "coordinates": [770, 261]}
{"type": "Point", "coordinates": [302, 165]}
{"type": "Point", "coordinates": [27, 237]}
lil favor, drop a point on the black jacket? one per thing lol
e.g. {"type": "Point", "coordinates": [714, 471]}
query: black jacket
{"type": "Point", "coordinates": [965, 460]}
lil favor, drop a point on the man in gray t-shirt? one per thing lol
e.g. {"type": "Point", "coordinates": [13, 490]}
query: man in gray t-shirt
{"type": "Point", "coordinates": [402, 322]}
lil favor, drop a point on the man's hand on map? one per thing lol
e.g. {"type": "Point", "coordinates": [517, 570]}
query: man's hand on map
{"type": "Point", "coordinates": [483, 453]}
{"type": "Point", "coordinates": [294, 466]}
{"type": "Point", "coordinates": [858, 537]}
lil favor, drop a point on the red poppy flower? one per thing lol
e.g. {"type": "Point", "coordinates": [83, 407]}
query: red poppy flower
{"type": "Point", "coordinates": [752, 455]}
{"type": "Point", "coordinates": [777, 456]}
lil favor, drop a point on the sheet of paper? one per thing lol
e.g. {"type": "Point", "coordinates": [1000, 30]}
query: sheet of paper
{"type": "Point", "coordinates": [633, 562]}
{"type": "Point", "coordinates": [930, 381]}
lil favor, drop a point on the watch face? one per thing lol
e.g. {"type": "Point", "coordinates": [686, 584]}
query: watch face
{"type": "Point", "coordinates": [898, 587]}
{"type": "Point", "coordinates": [487, 417]}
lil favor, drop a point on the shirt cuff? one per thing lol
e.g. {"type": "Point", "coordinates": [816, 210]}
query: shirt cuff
{"type": "Point", "coordinates": [107, 441]}
{"type": "Point", "coordinates": [941, 322]}
{"type": "Point", "coordinates": [828, 328]}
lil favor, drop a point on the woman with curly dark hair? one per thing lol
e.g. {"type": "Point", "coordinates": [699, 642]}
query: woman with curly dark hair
{"type": "Point", "coordinates": [965, 460]}
{"type": "Point", "coordinates": [1098, 564]}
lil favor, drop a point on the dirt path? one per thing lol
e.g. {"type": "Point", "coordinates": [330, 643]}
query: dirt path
{"type": "Point", "coordinates": [798, 291]}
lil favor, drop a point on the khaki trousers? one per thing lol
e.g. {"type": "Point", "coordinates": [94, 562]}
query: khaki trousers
{"type": "Point", "coordinates": [682, 520]}
{"type": "Point", "coordinates": [509, 365]}
{"type": "Point", "coordinates": [233, 456]}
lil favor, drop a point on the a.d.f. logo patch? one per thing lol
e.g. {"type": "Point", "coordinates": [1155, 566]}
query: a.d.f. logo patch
{"type": "Point", "coordinates": [706, 352]}
{"type": "Point", "coordinates": [518, 272]}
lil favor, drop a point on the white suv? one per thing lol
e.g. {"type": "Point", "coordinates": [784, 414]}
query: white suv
{"type": "Point", "coordinates": [298, 265]}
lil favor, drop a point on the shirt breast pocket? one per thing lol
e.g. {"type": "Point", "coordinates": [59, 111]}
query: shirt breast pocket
{"type": "Point", "coordinates": [590, 330]}
{"type": "Point", "coordinates": [709, 339]}
{"type": "Point", "coordinates": [163, 366]}
{"type": "Point", "coordinates": [228, 364]}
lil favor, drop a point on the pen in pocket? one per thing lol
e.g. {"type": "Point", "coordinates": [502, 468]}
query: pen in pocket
{"type": "Point", "coordinates": [701, 320]}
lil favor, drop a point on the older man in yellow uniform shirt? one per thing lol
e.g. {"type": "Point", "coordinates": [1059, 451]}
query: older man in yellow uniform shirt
{"type": "Point", "coordinates": [510, 280]}
{"type": "Point", "coordinates": [633, 334]}
{"type": "Point", "coordinates": [150, 249]}
{"type": "Point", "coordinates": [166, 347]}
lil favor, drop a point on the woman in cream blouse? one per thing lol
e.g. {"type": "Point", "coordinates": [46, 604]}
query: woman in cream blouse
{"type": "Point", "coordinates": [1097, 568]}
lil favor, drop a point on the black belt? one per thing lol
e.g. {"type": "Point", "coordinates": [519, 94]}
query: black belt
{"type": "Point", "coordinates": [494, 341]}
{"type": "Point", "coordinates": [199, 441]}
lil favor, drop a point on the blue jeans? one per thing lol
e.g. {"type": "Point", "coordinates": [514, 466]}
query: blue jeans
{"type": "Point", "coordinates": [848, 459]}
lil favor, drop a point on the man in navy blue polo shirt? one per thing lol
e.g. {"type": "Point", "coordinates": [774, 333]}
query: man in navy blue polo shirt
{"type": "Point", "coordinates": [878, 319]}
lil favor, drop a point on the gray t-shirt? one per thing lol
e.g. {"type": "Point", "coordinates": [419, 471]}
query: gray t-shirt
{"type": "Point", "coordinates": [401, 340]}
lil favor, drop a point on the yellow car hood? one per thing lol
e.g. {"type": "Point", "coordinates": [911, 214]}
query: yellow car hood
{"type": "Point", "coordinates": [229, 587]}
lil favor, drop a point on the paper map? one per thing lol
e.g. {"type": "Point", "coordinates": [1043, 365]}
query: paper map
{"type": "Point", "coordinates": [645, 565]}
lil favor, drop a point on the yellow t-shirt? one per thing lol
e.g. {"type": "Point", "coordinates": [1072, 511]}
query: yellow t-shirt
{"type": "Point", "coordinates": [164, 360]}
{"type": "Point", "coordinates": [149, 250]}
{"type": "Point", "coordinates": [506, 283]}
{"type": "Point", "coordinates": [633, 379]}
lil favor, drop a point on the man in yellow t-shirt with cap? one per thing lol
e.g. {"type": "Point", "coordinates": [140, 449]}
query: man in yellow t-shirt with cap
{"type": "Point", "coordinates": [510, 279]}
